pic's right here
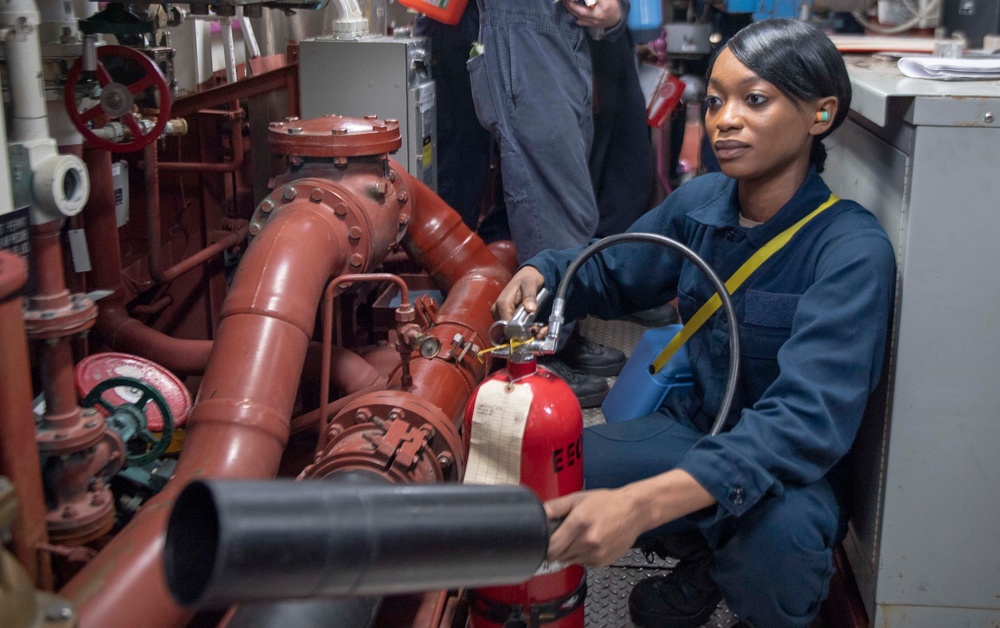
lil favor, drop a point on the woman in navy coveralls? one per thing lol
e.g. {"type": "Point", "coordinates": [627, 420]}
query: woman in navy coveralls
{"type": "Point", "coordinates": [767, 498]}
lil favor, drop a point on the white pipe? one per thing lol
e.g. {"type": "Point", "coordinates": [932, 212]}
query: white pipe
{"type": "Point", "coordinates": [253, 50]}
{"type": "Point", "coordinates": [58, 20]}
{"type": "Point", "coordinates": [352, 23]}
{"type": "Point", "coordinates": [229, 49]}
{"type": "Point", "coordinates": [21, 20]}
{"type": "Point", "coordinates": [60, 185]}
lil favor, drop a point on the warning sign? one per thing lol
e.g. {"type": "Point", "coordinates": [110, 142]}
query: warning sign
{"type": "Point", "coordinates": [14, 232]}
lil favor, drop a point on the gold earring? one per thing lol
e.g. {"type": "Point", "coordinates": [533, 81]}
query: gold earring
{"type": "Point", "coordinates": [822, 116]}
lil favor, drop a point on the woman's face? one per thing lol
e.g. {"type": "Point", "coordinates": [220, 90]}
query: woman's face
{"type": "Point", "coordinates": [756, 131]}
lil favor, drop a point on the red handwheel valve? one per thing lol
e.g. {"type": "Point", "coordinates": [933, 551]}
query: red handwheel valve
{"type": "Point", "coordinates": [116, 100]}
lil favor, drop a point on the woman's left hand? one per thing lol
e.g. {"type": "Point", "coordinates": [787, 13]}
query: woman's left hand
{"type": "Point", "coordinates": [602, 14]}
{"type": "Point", "coordinates": [599, 526]}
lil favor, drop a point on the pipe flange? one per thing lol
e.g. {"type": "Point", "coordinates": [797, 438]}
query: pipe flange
{"type": "Point", "coordinates": [401, 454]}
{"type": "Point", "coordinates": [335, 136]}
{"type": "Point", "coordinates": [77, 316]}
{"type": "Point", "coordinates": [87, 518]}
{"type": "Point", "coordinates": [335, 199]}
{"type": "Point", "coordinates": [67, 435]}
{"type": "Point", "coordinates": [381, 408]}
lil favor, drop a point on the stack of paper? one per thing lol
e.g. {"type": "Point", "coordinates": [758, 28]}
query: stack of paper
{"type": "Point", "coordinates": [946, 69]}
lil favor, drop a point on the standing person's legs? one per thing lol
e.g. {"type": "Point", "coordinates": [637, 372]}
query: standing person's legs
{"type": "Point", "coordinates": [621, 160]}
{"type": "Point", "coordinates": [533, 90]}
{"type": "Point", "coordinates": [532, 86]}
{"type": "Point", "coordinates": [464, 147]}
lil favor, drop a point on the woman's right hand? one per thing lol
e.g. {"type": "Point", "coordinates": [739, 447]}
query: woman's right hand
{"type": "Point", "coordinates": [522, 289]}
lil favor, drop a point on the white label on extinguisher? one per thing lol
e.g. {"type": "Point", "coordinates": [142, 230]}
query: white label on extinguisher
{"type": "Point", "coordinates": [498, 422]}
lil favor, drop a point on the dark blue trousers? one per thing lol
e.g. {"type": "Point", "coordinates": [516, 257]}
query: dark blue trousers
{"type": "Point", "coordinates": [773, 564]}
{"type": "Point", "coordinates": [621, 159]}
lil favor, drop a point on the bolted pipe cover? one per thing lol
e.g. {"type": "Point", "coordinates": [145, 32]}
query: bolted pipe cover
{"type": "Point", "coordinates": [334, 136]}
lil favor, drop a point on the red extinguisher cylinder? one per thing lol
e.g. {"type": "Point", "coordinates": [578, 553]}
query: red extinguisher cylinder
{"type": "Point", "coordinates": [551, 465]}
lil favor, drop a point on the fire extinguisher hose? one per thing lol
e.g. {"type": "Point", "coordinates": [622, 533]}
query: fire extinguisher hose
{"type": "Point", "coordinates": [559, 304]}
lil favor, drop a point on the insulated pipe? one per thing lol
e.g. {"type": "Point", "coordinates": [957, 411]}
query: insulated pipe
{"type": "Point", "coordinates": [229, 542]}
{"type": "Point", "coordinates": [114, 327]}
{"type": "Point", "coordinates": [239, 425]}
{"type": "Point", "coordinates": [18, 450]}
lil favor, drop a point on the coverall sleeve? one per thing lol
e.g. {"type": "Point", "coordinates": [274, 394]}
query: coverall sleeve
{"type": "Point", "coordinates": [807, 419]}
{"type": "Point", "coordinates": [626, 277]}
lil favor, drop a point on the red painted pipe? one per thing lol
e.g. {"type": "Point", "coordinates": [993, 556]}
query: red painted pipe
{"type": "Point", "coordinates": [473, 278]}
{"type": "Point", "coordinates": [114, 327]}
{"type": "Point", "coordinates": [236, 142]}
{"type": "Point", "coordinates": [153, 234]}
{"type": "Point", "coordinates": [18, 450]}
{"type": "Point", "coordinates": [239, 425]}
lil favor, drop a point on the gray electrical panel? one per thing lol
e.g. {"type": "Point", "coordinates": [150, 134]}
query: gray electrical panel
{"type": "Point", "coordinates": [384, 76]}
{"type": "Point", "coordinates": [922, 155]}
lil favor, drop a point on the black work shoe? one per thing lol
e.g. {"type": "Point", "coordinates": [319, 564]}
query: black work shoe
{"type": "Point", "coordinates": [671, 602]}
{"type": "Point", "coordinates": [684, 598]}
{"type": "Point", "coordinates": [587, 356]}
{"type": "Point", "coordinates": [661, 316]}
{"type": "Point", "coordinates": [590, 390]}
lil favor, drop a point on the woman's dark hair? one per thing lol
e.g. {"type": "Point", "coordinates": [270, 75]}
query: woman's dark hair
{"type": "Point", "coordinates": [798, 59]}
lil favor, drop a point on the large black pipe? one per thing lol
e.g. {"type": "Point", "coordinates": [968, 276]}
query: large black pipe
{"type": "Point", "coordinates": [232, 541]}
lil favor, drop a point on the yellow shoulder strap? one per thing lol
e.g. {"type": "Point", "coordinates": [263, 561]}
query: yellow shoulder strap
{"type": "Point", "coordinates": [733, 284]}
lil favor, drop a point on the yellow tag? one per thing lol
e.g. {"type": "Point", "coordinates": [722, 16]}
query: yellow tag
{"type": "Point", "coordinates": [426, 154]}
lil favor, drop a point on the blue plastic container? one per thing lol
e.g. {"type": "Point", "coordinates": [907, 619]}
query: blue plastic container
{"type": "Point", "coordinates": [636, 392]}
{"type": "Point", "coordinates": [644, 20]}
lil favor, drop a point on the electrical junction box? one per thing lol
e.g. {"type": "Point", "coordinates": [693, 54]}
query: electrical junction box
{"type": "Point", "coordinates": [388, 77]}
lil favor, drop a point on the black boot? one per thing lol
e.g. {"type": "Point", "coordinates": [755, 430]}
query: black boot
{"type": "Point", "coordinates": [684, 598]}
{"type": "Point", "coordinates": [586, 356]}
{"type": "Point", "coordinates": [590, 390]}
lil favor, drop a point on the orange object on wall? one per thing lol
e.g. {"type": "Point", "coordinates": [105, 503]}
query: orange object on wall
{"type": "Point", "coordinates": [447, 11]}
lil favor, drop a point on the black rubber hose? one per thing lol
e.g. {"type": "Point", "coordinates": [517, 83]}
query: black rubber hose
{"type": "Point", "coordinates": [242, 541]}
{"type": "Point", "coordinates": [732, 374]}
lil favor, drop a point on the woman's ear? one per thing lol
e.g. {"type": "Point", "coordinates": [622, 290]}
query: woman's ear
{"type": "Point", "coordinates": [826, 111]}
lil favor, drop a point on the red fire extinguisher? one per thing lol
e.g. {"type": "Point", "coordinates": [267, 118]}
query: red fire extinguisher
{"type": "Point", "coordinates": [524, 425]}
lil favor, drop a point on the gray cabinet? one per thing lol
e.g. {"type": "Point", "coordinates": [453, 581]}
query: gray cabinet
{"type": "Point", "coordinates": [924, 156]}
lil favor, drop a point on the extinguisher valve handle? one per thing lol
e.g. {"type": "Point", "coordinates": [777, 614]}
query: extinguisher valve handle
{"type": "Point", "coordinates": [519, 325]}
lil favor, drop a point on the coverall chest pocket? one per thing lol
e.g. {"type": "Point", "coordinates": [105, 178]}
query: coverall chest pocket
{"type": "Point", "coordinates": [767, 323]}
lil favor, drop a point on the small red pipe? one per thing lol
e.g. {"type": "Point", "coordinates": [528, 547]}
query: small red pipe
{"type": "Point", "coordinates": [18, 450]}
{"type": "Point", "coordinates": [465, 268]}
{"type": "Point", "coordinates": [331, 288]}
{"type": "Point", "coordinates": [236, 141]}
{"type": "Point", "coordinates": [153, 227]}
{"type": "Point", "coordinates": [114, 327]}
